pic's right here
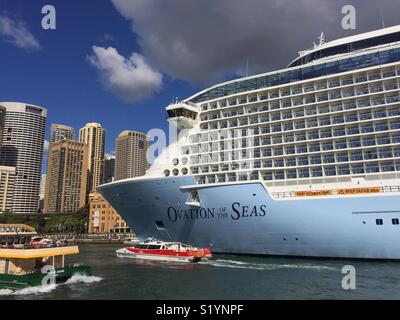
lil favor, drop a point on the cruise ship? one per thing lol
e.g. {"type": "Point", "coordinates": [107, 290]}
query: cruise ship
{"type": "Point", "coordinates": [303, 161]}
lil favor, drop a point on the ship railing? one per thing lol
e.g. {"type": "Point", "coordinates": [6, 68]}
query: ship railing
{"type": "Point", "coordinates": [294, 194]}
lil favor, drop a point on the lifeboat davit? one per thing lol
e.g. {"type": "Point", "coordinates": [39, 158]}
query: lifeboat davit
{"type": "Point", "coordinates": [165, 251]}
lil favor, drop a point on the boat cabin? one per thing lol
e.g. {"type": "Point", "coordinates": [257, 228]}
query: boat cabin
{"type": "Point", "coordinates": [18, 257]}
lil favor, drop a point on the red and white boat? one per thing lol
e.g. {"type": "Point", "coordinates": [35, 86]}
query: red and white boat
{"type": "Point", "coordinates": [164, 251]}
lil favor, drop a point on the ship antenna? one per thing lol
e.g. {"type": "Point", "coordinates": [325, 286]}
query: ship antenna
{"type": "Point", "coordinates": [321, 39]}
{"type": "Point", "coordinates": [382, 18]}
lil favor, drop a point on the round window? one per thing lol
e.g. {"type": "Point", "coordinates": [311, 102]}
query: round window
{"type": "Point", "coordinates": [167, 172]}
{"type": "Point", "coordinates": [175, 161]}
{"type": "Point", "coordinates": [175, 172]}
{"type": "Point", "coordinates": [184, 171]}
{"type": "Point", "coordinates": [185, 160]}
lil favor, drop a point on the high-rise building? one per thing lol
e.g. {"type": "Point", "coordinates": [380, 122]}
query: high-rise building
{"type": "Point", "coordinates": [7, 181]}
{"type": "Point", "coordinates": [109, 168]}
{"type": "Point", "coordinates": [22, 148]}
{"type": "Point", "coordinates": [61, 132]}
{"type": "Point", "coordinates": [94, 135]}
{"type": "Point", "coordinates": [130, 157]}
{"type": "Point", "coordinates": [42, 192]}
{"type": "Point", "coordinates": [103, 218]}
{"type": "Point", "coordinates": [66, 177]}
{"type": "Point", "coordinates": [3, 111]}
{"type": "Point", "coordinates": [42, 186]}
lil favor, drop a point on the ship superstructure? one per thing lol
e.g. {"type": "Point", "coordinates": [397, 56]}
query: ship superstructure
{"type": "Point", "coordinates": [301, 161]}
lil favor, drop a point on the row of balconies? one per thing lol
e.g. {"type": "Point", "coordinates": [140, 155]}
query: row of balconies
{"type": "Point", "coordinates": [288, 166]}
{"type": "Point", "coordinates": [301, 113]}
{"type": "Point", "coordinates": [299, 137]}
{"type": "Point", "coordinates": [308, 87]}
{"type": "Point", "coordinates": [339, 146]}
{"type": "Point", "coordinates": [313, 146]}
{"type": "Point", "coordinates": [302, 100]}
{"type": "Point", "coordinates": [316, 172]}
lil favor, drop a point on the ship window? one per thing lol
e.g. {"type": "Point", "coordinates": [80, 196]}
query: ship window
{"type": "Point", "coordinates": [379, 222]}
{"type": "Point", "coordinates": [154, 247]}
{"type": "Point", "coordinates": [395, 221]}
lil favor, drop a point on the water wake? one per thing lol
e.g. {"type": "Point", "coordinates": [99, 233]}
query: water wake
{"type": "Point", "coordinates": [76, 278]}
{"type": "Point", "coordinates": [82, 278]}
{"type": "Point", "coordinates": [28, 291]}
{"type": "Point", "coordinates": [264, 266]}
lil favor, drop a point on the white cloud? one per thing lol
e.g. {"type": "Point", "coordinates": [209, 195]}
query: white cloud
{"type": "Point", "coordinates": [16, 32]}
{"type": "Point", "coordinates": [130, 79]}
{"type": "Point", "coordinates": [208, 40]}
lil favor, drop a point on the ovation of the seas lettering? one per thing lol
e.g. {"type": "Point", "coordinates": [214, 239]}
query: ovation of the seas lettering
{"type": "Point", "coordinates": [238, 211]}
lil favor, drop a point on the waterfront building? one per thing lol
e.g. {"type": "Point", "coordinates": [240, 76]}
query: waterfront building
{"type": "Point", "coordinates": [103, 218]}
{"type": "Point", "coordinates": [22, 148]}
{"type": "Point", "coordinates": [131, 155]}
{"type": "Point", "coordinates": [94, 136]}
{"type": "Point", "coordinates": [3, 111]}
{"type": "Point", "coordinates": [61, 132]}
{"type": "Point", "coordinates": [66, 180]}
{"type": "Point", "coordinates": [42, 192]}
{"type": "Point", "coordinates": [42, 186]}
{"type": "Point", "coordinates": [303, 161]}
{"type": "Point", "coordinates": [109, 168]}
{"type": "Point", "coordinates": [7, 181]}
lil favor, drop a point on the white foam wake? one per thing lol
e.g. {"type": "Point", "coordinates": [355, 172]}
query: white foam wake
{"type": "Point", "coordinates": [28, 291]}
{"type": "Point", "coordinates": [82, 278]}
{"type": "Point", "coordinates": [263, 266]}
{"type": "Point", "coordinates": [76, 278]}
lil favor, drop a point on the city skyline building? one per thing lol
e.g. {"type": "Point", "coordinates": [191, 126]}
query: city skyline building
{"type": "Point", "coordinates": [61, 132]}
{"type": "Point", "coordinates": [7, 181]}
{"type": "Point", "coordinates": [103, 218]}
{"type": "Point", "coordinates": [130, 154]}
{"type": "Point", "coordinates": [22, 148]}
{"type": "Point", "coordinates": [109, 168]}
{"type": "Point", "coordinates": [66, 180]}
{"type": "Point", "coordinates": [93, 134]}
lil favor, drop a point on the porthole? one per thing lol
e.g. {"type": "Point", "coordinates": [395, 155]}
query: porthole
{"type": "Point", "coordinates": [184, 171]}
{"type": "Point", "coordinates": [175, 161]}
{"type": "Point", "coordinates": [167, 172]}
{"type": "Point", "coordinates": [185, 161]}
{"type": "Point", "coordinates": [175, 172]}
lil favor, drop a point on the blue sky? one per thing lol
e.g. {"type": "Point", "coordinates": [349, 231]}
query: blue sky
{"type": "Point", "coordinates": [121, 62]}
{"type": "Point", "coordinates": [60, 78]}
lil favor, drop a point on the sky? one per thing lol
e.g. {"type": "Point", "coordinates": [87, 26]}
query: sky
{"type": "Point", "coordinates": [121, 62]}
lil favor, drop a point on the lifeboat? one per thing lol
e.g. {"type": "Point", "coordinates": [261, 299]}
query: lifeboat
{"type": "Point", "coordinates": [165, 251]}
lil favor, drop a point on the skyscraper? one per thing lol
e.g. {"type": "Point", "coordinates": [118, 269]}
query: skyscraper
{"type": "Point", "coordinates": [61, 132]}
{"type": "Point", "coordinates": [94, 136]}
{"type": "Point", "coordinates": [7, 181]}
{"type": "Point", "coordinates": [3, 111]}
{"type": "Point", "coordinates": [66, 177]}
{"type": "Point", "coordinates": [22, 148]}
{"type": "Point", "coordinates": [7, 174]}
{"type": "Point", "coordinates": [109, 168]}
{"type": "Point", "coordinates": [130, 157]}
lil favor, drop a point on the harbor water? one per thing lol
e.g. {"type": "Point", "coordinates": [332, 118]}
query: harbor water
{"type": "Point", "coordinates": [223, 277]}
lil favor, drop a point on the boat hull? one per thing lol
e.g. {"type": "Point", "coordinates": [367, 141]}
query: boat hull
{"type": "Point", "coordinates": [245, 219]}
{"type": "Point", "coordinates": [125, 253]}
{"type": "Point", "coordinates": [16, 282]}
